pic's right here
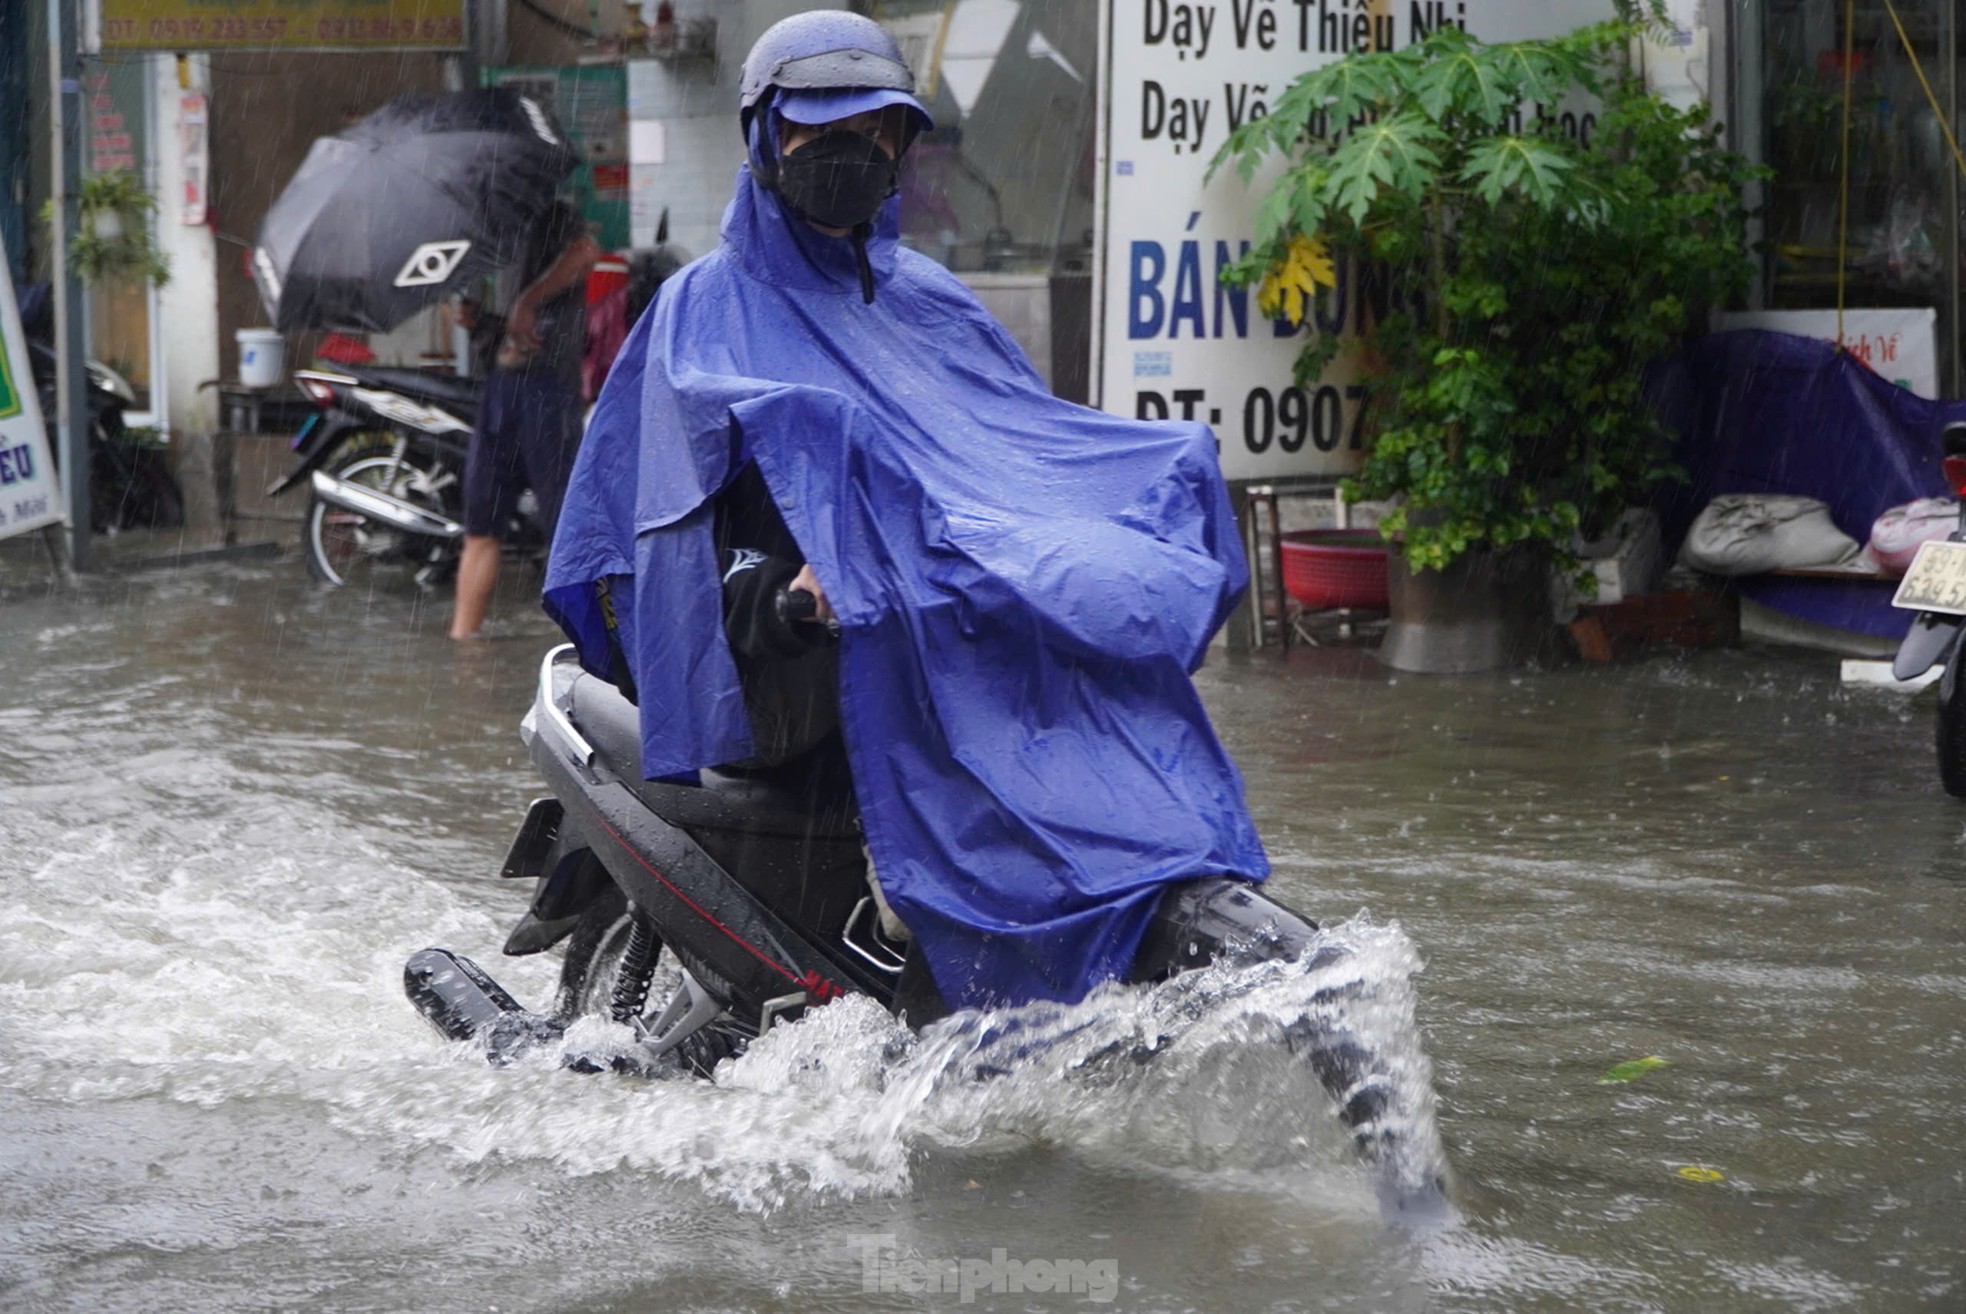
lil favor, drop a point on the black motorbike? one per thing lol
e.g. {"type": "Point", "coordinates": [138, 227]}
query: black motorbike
{"type": "Point", "coordinates": [130, 483]}
{"type": "Point", "coordinates": [762, 899]}
{"type": "Point", "coordinates": [1935, 588]}
{"type": "Point", "coordinates": [382, 459]}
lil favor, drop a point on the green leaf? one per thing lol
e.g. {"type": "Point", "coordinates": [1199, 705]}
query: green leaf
{"type": "Point", "coordinates": [1309, 204]}
{"type": "Point", "coordinates": [1395, 154]}
{"type": "Point", "coordinates": [1341, 90]}
{"type": "Point", "coordinates": [1464, 81]}
{"type": "Point", "coordinates": [1536, 70]}
{"type": "Point", "coordinates": [1632, 1070]}
{"type": "Point", "coordinates": [1273, 213]}
{"type": "Point", "coordinates": [1533, 167]}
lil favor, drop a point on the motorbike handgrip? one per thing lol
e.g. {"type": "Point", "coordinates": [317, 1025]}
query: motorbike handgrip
{"type": "Point", "coordinates": [800, 605]}
{"type": "Point", "coordinates": [796, 605]}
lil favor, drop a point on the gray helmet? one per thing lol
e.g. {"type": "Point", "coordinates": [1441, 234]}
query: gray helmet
{"type": "Point", "coordinates": [825, 51]}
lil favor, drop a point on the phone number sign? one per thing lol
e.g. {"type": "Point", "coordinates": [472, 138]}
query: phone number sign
{"type": "Point", "coordinates": [281, 24]}
{"type": "Point", "coordinates": [1178, 77]}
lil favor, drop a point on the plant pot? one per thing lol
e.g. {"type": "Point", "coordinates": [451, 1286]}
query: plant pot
{"type": "Point", "coordinates": [1484, 611]}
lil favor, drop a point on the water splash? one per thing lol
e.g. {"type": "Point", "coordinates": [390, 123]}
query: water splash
{"type": "Point", "coordinates": [220, 973]}
{"type": "Point", "coordinates": [1196, 1075]}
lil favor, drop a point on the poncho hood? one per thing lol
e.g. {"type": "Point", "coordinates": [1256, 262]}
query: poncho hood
{"type": "Point", "coordinates": [1024, 586]}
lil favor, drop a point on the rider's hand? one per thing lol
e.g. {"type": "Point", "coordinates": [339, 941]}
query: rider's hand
{"type": "Point", "coordinates": [808, 581]}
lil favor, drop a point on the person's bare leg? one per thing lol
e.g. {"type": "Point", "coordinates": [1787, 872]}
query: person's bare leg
{"type": "Point", "coordinates": [477, 573]}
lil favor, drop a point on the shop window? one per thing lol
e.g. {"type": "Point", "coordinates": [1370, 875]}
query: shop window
{"type": "Point", "coordinates": [1004, 183]}
{"type": "Point", "coordinates": [1900, 236]}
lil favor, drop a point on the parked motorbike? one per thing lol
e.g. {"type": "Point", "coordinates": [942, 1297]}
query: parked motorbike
{"type": "Point", "coordinates": [130, 485]}
{"type": "Point", "coordinates": [383, 456]}
{"type": "Point", "coordinates": [383, 462]}
{"type": "Point", "coordinates": [762, 900]}
{"type": "Point", "coordinates": [1935, 588]}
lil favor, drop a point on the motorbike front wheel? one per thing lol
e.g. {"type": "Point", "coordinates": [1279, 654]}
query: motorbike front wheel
{"type": "Point", "coordinates": [1952, 726]}
{"type": "Point", "coordinates": [341, 544]}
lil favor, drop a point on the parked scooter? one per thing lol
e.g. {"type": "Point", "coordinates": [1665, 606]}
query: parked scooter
{"type": "Point", "coordinates": [383, 457]}
{"type": "Point", "coordinates": [130, 486]}
{"type": "Point", "coordinates": [383, 461]}
{"type": "Point", "coordinates": [1935, 588]}
{"type": "Point", "coordinates": [764, 903]}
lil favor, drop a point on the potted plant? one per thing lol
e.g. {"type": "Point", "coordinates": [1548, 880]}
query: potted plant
{"type": "Point", "coordinates": [1528, 265]}
{"type": "Point", "coordinates": [112, 243]}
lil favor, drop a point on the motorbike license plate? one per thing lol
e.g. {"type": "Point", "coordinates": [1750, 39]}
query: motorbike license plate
{"type": "Point", "coordinates": [1936, 580]}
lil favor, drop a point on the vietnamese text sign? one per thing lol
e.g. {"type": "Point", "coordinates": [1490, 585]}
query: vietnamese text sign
{"type": "Point", "coordinates": [263, 24]}
{"type": "Point", "coordinates": [1173, 342]}
{"type": "Point", "coordinates": [29, 495]}
{"type": "Point", "coordinates": [1900, 344]}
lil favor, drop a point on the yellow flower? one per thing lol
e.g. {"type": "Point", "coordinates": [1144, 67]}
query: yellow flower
{"type": "Point", "coordinates": [1306, 267]}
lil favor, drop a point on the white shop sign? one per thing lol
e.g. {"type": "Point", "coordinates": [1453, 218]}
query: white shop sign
{"type": "Point", "coordinates": [1169, 340]}
{"type": "Point", "coordinates": [1901, 345]}
{"type": "Point", "coordinates": [29, 494]}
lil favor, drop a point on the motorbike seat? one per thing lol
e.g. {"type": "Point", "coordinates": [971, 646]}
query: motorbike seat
{"type": "Point", "coordinates": [443, 389]}
{"type": "Point", "coordinates": [719, 800]}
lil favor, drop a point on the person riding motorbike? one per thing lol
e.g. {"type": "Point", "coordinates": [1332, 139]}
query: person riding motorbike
{"type": "Point", "coordinates": [1020, 587]}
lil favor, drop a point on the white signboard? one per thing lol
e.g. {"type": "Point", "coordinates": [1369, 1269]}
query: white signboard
{"type": "Point", "coordinates": [1900, 345]}
{"type": "Point", "coordinates": [29, 496]}
{"type": "Point", "coordinates": [1170, 341]}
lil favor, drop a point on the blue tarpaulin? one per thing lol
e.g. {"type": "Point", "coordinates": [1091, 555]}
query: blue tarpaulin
{"type": "Point", "coordinates": [1763, 412]}
{"type": "Point", "coordinates": [1024, 586]}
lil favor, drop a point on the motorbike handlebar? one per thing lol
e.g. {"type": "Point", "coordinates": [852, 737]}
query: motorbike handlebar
{"type": "Point", "coordinates": [795, 605]}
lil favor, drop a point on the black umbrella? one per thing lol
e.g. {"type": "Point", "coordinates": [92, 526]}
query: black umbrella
{"type": "Point", "coordinates": [415, 202]}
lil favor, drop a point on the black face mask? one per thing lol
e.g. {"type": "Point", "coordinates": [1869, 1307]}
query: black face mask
{"type": "Point", "coordinates": [838, 180]}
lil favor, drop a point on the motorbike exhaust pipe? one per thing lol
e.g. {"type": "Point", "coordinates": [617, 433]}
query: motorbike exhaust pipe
{"type": "Point", "coordinates": [391, 511]}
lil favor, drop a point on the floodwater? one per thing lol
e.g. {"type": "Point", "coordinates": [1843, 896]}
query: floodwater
{"type": "Point", "coordinates": [231, 804]}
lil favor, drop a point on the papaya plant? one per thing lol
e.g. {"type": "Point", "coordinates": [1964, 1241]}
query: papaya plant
{"type": "Point", "coordinates": [1526, 265]}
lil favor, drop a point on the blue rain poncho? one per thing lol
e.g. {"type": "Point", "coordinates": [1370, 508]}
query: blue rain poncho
{"type": "Point", "coordinates": [1024, 586]}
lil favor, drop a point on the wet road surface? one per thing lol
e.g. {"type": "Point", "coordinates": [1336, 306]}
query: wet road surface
{"type": "Point", "coordinates": [231, 804]}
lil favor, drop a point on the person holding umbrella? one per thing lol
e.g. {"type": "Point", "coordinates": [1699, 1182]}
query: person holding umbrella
{"type": "Point", "coordinates": [416, 204]}
{"type": "Point", "coordinates": [529, 418]}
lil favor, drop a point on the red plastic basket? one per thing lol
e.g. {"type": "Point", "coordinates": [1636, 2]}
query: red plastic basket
{"type": "Point", "coordinates": [1326, 568]}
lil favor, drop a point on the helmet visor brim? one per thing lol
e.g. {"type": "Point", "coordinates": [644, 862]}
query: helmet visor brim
{"type": "Point", "coordinates": [815, 107]}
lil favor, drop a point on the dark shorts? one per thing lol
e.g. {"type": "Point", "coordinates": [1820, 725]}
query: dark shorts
{"type": "Point", "coordinates": [528, 431]}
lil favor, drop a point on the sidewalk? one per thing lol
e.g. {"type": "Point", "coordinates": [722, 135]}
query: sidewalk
{"type": "Point", "coordinates": [239, 521]}
{"type": "Point", "coordinates": [27, 567]}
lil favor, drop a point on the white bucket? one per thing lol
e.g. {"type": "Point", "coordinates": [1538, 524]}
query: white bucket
{"type": "Point", "coordinates": [262, 356]}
